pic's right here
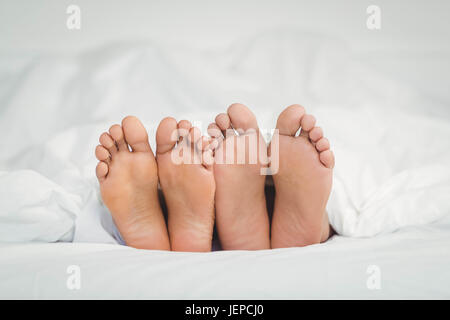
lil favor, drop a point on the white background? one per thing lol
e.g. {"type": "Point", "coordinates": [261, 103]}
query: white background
{"type": "Point", "coordinates": [412, 45]}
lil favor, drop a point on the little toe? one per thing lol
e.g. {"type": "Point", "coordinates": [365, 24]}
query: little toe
{"type": "Point", "coordinates": [166, 135]}
{"type": "Point", "coordinates": [101, 171]}
{"type": "Point", "coordinates": [327, 158]}
{"type": "Point", "coordinates": [315, 134]}
{"type": "Point", "coordinates": [102, 154]}
{"type": "Point", "coordinates": [323, 144]}
{"type": "Point", "coordinates": [108, 142]}
{"type": "Point", "coordinates": [289, 120]}
{"type": "Point", "coordinates": [208, 159]}
{"type": "Point", "coordinates": [116, 133]}
{"type": "Point", "coordinates": [213, 144]}
{"type": "Point", "coordinates": [214, 131]}
{"type": "Point", "coordinates": [242, 119]}
{"type": "Point", "coordinates": [135, 134]}
{"type": "Point", "coordinates": [308, 122]}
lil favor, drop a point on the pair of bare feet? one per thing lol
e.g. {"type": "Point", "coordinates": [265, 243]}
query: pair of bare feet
{"type": "Point", "coordinates": [202, 187]}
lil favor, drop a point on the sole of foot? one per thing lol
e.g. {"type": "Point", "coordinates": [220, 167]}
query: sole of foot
{"type": "Point", "coordinates": [128, 177]}
{"type": "Point", "coordinates": [303, 182]}
{"type": "Point", "coordinates": [187, 182]}
{"type": "Point", "coordinates": [240, 154]}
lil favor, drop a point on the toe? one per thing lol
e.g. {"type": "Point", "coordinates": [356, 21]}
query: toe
{"type": "Point", "coordinates": [204, 143]}
{"type": "Point", "coordinates": [194, 139]}
{"type": "Point", "coordinates": [108, 142]}
{"type": "Point", "coordinates": [208, 159]}
{"type": "Point", "coordinates": [289, 120]}
{"type": "Point", "coordinates": [242, 119]}
{"type": "Point", "coordinates": [116, 133]}
{"type": "Point", "coordinates": [214, 131]}
{"type": "Point", "coordinates": [308, 122]}
{"type": "Point", "coordinates": [327, 158]}
{"type": "Point", "coordinates": [184, 124]}
{"type": "Point", "coordinates": [315, 134]}
{"type": "Point", "coordinates": [323, 144]}
{"type": "Point", "coordinates": [194, 135]}
{"type": "Point", "coordinates": [183, 129]}
{"type": "Point", "coordinates": [102, 154]}
{"type": "Point", "coordinates": [135, 134]}
{"type": "Point", "coordinates": [223, 121]}
{"type": "Point", "coordinates": [101, 171]}
{"type": "Point", "coordinates": [166, 135]}
{"type": "Point", "coordinates": [213, 144]}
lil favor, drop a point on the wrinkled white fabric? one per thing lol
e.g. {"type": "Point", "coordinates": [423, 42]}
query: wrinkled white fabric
{"type": "Point", "coordinates": [411, 264]}
{"type": "Point", "coordinates": [392, 151]}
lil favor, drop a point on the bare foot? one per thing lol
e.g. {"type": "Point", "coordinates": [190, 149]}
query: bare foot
{"type": "Point", "coordinates": [128, 185]}
{"type": "Point", "coordinates": [303, 182]}
{"type": "Point", "coordinates": [241, 214]}
{"type": "Point", "coordinates": [187, 183]}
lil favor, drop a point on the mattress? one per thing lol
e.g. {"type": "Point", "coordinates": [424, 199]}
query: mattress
{"type": "Point", "coordinates": [409, 264]}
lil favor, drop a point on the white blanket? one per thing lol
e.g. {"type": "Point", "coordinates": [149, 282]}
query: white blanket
{"type": "Point", "coordinates": [392, 152]}
{"type": "Point", "coordinates": [412, 263]}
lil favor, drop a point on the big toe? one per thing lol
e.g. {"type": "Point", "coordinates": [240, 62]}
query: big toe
{"type": "Point", "coordinates": [290, 119]}
{"type": "Point", "coordinates": [242, 119]}
{"type": "Point", "coordinates": [135, 134]}
{"type": "Point", "coordinates": [166, 135]}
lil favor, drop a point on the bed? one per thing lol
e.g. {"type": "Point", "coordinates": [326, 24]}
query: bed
{"type": "Point", "coordinates": [411, 264]}
{"type": "Point", "coordinates": [389, 203]}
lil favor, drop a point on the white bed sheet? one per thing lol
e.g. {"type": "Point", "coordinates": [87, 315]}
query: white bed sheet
{"type": "Point", "coordinates": [414, 264]}
{"type": "Point", "coordinates": [391, 181]}
{"type": "Point", "coordinates": [392, 152]}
